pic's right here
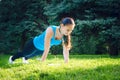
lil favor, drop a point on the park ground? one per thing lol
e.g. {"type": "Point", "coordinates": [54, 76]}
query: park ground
{"type": "Point", "coordinates": [80, 67]}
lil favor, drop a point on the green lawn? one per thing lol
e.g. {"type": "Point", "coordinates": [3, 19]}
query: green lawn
{"type": "Point", "coordinates": [80, 67]}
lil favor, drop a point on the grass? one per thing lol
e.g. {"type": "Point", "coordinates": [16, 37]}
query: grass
{"type": "Point", "coordinates": [80, 67]}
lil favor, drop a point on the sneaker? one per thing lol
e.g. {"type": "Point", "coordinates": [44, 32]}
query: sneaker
{"type": "Point", "coordinates": [24, 60]}
{"type": "Point", "coordinates": [10, 60]}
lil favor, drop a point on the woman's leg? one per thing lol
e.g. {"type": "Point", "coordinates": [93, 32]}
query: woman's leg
{"type": "Point", "coordinates": [35, 53]}
{"type": "Point", "coordinates": [28, 49]}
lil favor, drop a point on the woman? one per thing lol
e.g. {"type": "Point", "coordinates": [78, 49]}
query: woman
{"type": "Point", "coordinates": [54, 35]}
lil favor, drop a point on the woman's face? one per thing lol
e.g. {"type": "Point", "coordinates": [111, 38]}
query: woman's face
{"type": "Point", "coordinates": [67, 29]}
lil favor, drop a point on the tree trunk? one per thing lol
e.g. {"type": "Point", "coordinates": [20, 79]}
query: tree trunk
{"type": "Point", "coordinates": [113, 49]}
{"type": "Point", "coordinates": [23, 40]}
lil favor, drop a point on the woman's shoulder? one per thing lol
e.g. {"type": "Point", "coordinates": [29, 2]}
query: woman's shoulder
{"type": "Point", "coordinates": [53, 27]}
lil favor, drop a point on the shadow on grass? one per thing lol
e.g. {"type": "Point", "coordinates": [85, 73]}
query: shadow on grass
{"type": "Point", "coordinates": [92, 56]}
{"type": "Point", "coordinates": [108, 72]}
{"type": "Point", "coordinates": [5, 64]}
{"type": "Point", "coordinates": [4, 59]}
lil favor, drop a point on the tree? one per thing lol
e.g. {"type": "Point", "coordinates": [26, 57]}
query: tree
{"type": "Point", "coordinates": [100, 20]}
{"type": "Point", "coordinates": [97, 23]}
{"type": "Point", "coordinates": [20, 18]}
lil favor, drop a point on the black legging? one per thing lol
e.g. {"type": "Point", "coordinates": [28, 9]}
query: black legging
{"type": "Point", "coordinates": [28, 51]}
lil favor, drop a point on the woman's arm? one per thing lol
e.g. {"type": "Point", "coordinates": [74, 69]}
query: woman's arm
{"type": "Point", "coordinates": [48, 36]}
{"type": "Point", "coordinates": [66, 54]}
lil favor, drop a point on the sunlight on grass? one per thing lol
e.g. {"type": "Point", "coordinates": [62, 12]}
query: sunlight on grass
{"type": "Point", "coordinates": [80, 67]}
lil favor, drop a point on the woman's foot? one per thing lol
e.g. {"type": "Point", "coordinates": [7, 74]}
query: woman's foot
{"type": "Point", "coordinates": [24, 60]}
{"type": "Point", "coordinates": [10, 60]}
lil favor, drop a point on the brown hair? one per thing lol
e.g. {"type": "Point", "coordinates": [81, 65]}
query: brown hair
{"type": "Point", "coordinates": [67, 39]}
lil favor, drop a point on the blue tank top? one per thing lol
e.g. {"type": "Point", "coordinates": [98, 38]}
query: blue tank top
{"type": "Point", "coordinates": [38, 41]}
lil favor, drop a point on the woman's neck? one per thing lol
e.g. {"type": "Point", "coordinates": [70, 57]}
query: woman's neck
{"type": "Point", "coordinates": [58, 34]}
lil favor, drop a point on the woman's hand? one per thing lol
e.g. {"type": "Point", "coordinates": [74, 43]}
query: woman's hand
{"type": "Point", "coordinates": [66, 54]}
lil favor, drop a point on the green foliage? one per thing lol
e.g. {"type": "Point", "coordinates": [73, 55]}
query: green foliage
{"type": "Point", "coordinates": [97, 23]}
{"type": "Point", "coordinates": [88, 46]}
{"type": "Point", "coordinates": [94, 18]}
{"type": "Point", "coordinates": [17, 17]}
{"type": "Point", "coordinates": [56, 50]}
{"type": "Point", "coordinates": [101, 29]}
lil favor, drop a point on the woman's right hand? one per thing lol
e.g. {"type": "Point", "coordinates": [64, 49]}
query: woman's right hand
{"type": "Point", "coordinates": [48, 36]}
